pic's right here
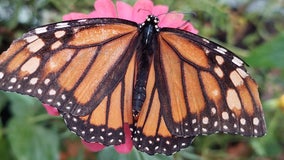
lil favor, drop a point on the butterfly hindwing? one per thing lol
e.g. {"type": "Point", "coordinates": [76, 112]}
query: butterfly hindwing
{"type": "Point", "coordinates": [106, 122]}
{"type": "Point", "coordinates": [151, 134]}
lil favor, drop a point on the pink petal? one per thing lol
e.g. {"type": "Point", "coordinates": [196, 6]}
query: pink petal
{"type": "Point", "coordinates": [172, 20]}
{"type": "Point", "coordinates": [51, 110]}
{"type": "Point", "coordinates": [190, 28]}
{"type": "Point", "coordinates": [127, 146]}
{"type": "Point", "coordinates": [94, 147]}
{"type": "Point", "coordinates": [104, 8]}
{"type": "Point", "coordinates": [93, 14]}
{"type": "Point", "coordinates": [124, 10]}
{"type": "Point", "coordinates": [141, 9]}
{"type": "Point", "coordinates": [74, 16]}
{"type": "Point", "coordinates": [160, 10]}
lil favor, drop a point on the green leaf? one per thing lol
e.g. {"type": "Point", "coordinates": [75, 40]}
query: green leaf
{"type": "Point", "coordinates": [32, 142]}
{"type": "Point", "coordinates": [109, 153]}
{"type": "Point", "coordinates": [187, 153]}
{"type": "Point", "coordinates": [268, 55]}
{"type": "Point", "coordinates": [3, 100]}
{"type": "Point", "coordinates": [5, 149]}
{"type": "Point", "coordinates": [22, 105]}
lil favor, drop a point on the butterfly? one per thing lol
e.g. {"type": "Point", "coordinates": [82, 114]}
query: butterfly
{"type": "Point", "coordinates": [169, 85]}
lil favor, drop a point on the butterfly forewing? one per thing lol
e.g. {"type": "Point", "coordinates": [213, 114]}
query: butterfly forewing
{"type": "Point", "coordinates": [61, 63]}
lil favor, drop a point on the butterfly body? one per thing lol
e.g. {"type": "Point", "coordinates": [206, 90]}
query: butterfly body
{"type": "Point", "coordinates": [169, 85]}
{"type": "Point", "coordinates": [144, 59]}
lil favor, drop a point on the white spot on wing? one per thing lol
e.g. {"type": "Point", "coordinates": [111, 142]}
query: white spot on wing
{"type": "Point", "coordinates": [52, 92]}
{"type": "Point", "coordinates": [215, 124]}
{"type": "Point", "coordinates": [63, 96]}
{"type": "Point", "coordinates": [56, 45]}
{"type": "Point", "coordinates": [32, 38]}
{"type": "Point", "coordinates": [236, 79]}
{"type": "Point", "coordinates": [204, 130]}
{"type": "Point", "coordinates": [225, 127]}
{"type": "Point", "coordinates": [225, 115]}
{"type": "Point", "coordinates": [233, 100]}
{"type": "Point", "coordinates": [255, 121]}
{"type": "Point", "coordinates": [82, 20]}
{"type": "Point", "coordinates": [1, 75]}
{"type": "Point", "coordinates": [218, 71]}
{"type": "Point", "coordinates": [62, 25]}
{"type": "Point", "coordinates": [41, 30]}
{"type": "Point", "coordinates": [59, 34]}
{"type": "Point", "coordinates": [79, 110]}
{"type": "Point", "coordinates": [213, 110]}
{"type": "Point", "coordinates": [36, 45]}
{"type": "Point", "coordinates": [206, 51]}
{"type": "Point", "coordinates": [243, 121]}
{"type": "Point", "coordinates": [33, 81]}
{"type": "Point", "coordinates": [205, 40]}
{"type": "Point", "coordinates": [220, 50]}
{"type": "Point", "coordinates": [31, 65]}
{"type": "Point", "coordinates": [39, 91]}
{"type": "Point", "coordinates": [219, 59]}
{"type": "Point", "coordinates": [237, 61]}
{"type": "Point", "coordinates": [215, 92]}
{"type": "Point", "coordinates": [13, 80]}
{"type": "Point", "coordinates": [46, 81]}
{"type": "Point", "coordinates": [242, 73]}
{"type": "Point", "coordinates": [205, 120]}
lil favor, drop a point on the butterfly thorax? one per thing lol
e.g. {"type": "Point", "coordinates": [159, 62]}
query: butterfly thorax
{"type": "Point", "coordinates": [148, 29]}
{"type": "Point", "coordinates": [145, 50]}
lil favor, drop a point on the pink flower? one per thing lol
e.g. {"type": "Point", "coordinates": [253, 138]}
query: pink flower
{"type": "Point", "coordinates": [51, 110]}
{"type": "Point", "coordinates": [137, 13]}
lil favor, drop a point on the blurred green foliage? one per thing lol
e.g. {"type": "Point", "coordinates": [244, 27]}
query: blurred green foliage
{"type": "Point", "coordinates": [253, 29]}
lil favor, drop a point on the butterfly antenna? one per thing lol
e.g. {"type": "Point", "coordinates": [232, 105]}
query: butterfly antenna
{"type": "Point", "coordinates": [191, 14]}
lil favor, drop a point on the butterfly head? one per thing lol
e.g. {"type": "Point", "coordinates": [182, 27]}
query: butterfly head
{"type": "Point", "coordinates": [151, 20]}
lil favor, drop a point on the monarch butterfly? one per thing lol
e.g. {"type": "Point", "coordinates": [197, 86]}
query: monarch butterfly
{"type": "Point", "coordinates": [170, 85]}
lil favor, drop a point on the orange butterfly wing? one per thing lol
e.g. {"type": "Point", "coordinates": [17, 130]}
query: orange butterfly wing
{"type": "Point", "coordinates": [63, 66]}
{"type": "Point", "coordinates": [195, 87]}
{"type": "Point", "coordinates": [212, 89]}
{"type": "Point", "coordinates": [83, 68]}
